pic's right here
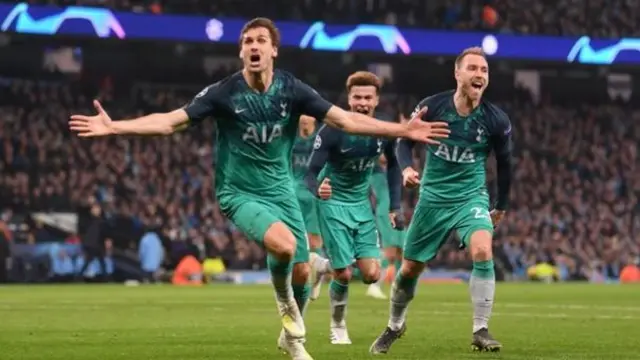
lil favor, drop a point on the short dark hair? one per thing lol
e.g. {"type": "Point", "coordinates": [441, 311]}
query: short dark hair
{"type": "Point", "coordinates": [476, 50]}
{"type": "Point", "coordinates": [261, 22]}
{"type": "Point", "coordinates": [363, 78]}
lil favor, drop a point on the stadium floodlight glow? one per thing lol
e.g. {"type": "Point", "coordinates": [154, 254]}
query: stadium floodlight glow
{"type": "Point", "coordinates": [215, 29]}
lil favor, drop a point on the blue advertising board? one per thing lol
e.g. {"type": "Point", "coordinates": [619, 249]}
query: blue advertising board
{"type": "Point", "coordinates": [105, 23]}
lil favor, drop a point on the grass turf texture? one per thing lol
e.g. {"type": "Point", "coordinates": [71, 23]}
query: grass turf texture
{"type": "Point", "coordinates": [533, 321]}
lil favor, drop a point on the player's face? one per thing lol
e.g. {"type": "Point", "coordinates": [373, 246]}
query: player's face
{"type": "Point", "coordinates": [363, 99]}
{"type": "Point", "coordinates": [257, 51]}
{"type": "Point", "coordinates": [473, 75]}
{"type": "Point", "coordinates": [307, 124]}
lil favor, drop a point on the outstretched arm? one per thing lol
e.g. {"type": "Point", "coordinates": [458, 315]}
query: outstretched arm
{"type": "Point", "coordinates": [356, 123]}
{"type": "Point", "coordinates": [314, 105]}
{"type": "Point", "coordinates": [153, 124]}
{"type": "Point", "coordinates": [101, 124]}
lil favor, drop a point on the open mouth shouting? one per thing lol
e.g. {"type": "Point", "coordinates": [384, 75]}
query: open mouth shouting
{"type": "Point", "coordinates": [477, 84]}
{"type": "Point", "coordinates": [362, 110]}
{"type": "Point", "coordinates": [254, 60]}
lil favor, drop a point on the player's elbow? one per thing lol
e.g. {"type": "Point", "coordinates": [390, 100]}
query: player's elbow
{"type": "Point", "coordinates": [174, 121]}
{"type": "Point", "coordinates": [167, 130]}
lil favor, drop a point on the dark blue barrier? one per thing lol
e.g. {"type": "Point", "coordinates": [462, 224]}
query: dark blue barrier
{"type": "Point", "coordinates": [104, 23]}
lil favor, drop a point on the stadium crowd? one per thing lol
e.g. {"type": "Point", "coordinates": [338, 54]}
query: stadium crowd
{"type": "Point", "coordinates": [558, 17]}
{"type": "Point", "coordinates": [574, 200]}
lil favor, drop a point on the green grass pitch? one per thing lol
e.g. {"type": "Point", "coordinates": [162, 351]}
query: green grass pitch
{"type": "Point", "coordinates": [219, 322]}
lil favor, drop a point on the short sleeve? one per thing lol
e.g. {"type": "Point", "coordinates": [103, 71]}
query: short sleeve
{"type": "Point", "coordinates": [310, 102]}
{"type": "Point", "coordinates": [204, 104]}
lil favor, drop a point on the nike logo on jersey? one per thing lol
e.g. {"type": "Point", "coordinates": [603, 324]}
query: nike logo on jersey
{"type": "Point", "coordinates": [239, 111]}
{"type": "Point", "coordinates": [345, 150]}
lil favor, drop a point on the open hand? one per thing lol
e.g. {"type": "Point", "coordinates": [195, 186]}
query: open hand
{"type": "Point", "coordinates": [410, 178]}
{"type": "Point", "coordinates": [397, 220]}
{"type": "Point", "coordinates": [424, 131]}
{"type": "Point", "coordinates": [91, 126]}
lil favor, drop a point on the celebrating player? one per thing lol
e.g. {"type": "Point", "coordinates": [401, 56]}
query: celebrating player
{"type": "Point", "coordinates": [257, 111]}
{"type": "Point", "coordinates": [454, 197]}
{"type": "Point", "coordinates": [301, 151]}
{"type": "Point", "coordinates": [343, 165]}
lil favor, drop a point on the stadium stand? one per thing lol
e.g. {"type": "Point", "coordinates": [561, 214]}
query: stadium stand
{"type": "Point", "coordinates": [570, 207]}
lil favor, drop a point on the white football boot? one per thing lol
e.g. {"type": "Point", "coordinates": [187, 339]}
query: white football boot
{"type": "Point", "coordinates": [293, 347]}
{"type": "Point", "coordinates": [339, 334]}
{"type": "Point", "coordinates": [375, 291]}
{"type": "Point", "coordinates": [291, 318]}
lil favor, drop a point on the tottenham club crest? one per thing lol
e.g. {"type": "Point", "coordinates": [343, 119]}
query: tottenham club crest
{"type": "Point", "coordinates": [480, 134]}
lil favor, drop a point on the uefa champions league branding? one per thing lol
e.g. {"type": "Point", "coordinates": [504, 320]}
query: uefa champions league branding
{"type": "Point", "coordinates": [104, 23]}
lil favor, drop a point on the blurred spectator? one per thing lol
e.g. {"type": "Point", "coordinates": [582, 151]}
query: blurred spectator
{"type": "Point", "coordinates": [62, 265]}
{"type": "Point", "coordinates": [94, 243]}
{"type": "Point", "coordinates": [188, 272]}
{"type": "Point", "coordinates": [631, 272]}
{"type": "Point", "coordinates": [151, 255]}
{"type": "Point", "coordinates": [99, 268]}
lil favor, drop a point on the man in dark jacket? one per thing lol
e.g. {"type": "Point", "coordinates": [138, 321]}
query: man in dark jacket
{"type": "Point", "coordinates": [93, 241]}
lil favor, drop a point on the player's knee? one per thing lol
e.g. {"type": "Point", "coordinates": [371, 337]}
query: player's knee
{"type": "Point", "coordinates": [342, 275]}
{"type": "Point", "coordinates": [371, 275]}
{"type": "Point", "coordinates": [280, 242]}
{"type": "Point", "coordinates": [301, 273]}
{"type": "Point", "coordinates": [481, 246]}
{"type": "Point", "coordinates": [411, 269]}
